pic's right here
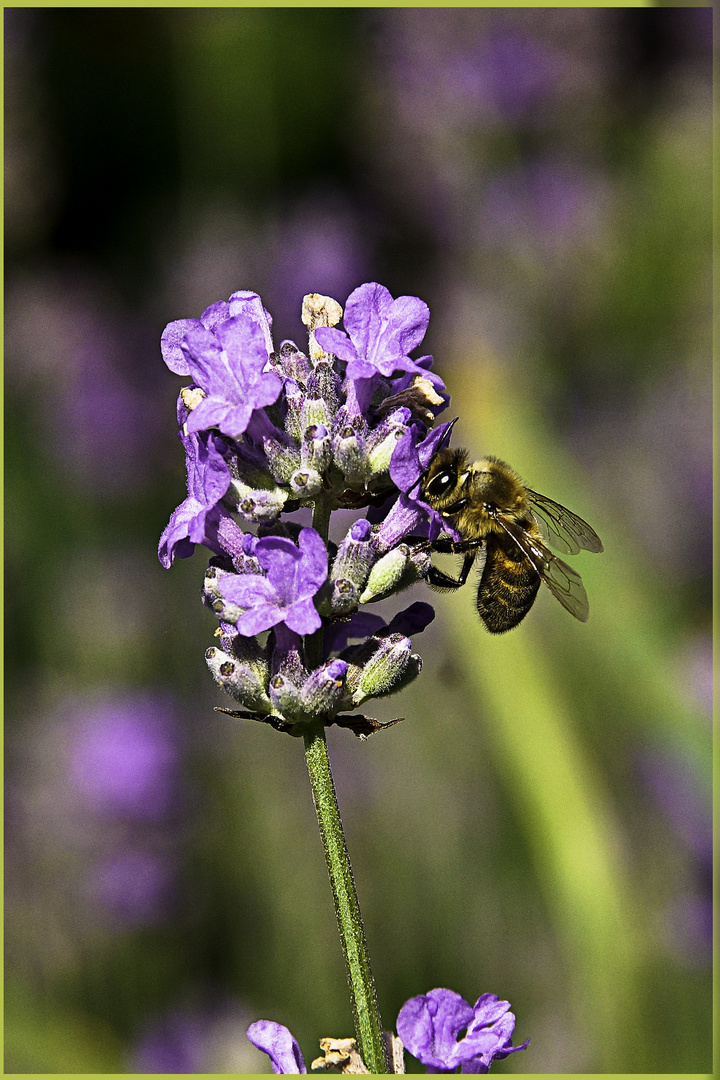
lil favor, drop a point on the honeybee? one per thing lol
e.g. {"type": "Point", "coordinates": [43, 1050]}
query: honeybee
{"type": "Point", "coordinates": [488, 504]}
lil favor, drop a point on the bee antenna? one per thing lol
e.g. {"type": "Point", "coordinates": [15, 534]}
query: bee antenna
{"type": "Point", "coordinates": [446, 437]}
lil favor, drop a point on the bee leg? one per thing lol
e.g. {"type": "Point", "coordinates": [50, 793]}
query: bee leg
{"type": "Point", "coordinates": [440, 580]}
{"type": "Point", "coordinates": [445, 546]}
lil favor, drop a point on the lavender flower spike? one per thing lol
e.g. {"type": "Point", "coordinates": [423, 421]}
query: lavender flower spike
{"type": "Point", "coordinates": [285, 594]}
{"type": "Point", "coordinates": [429, 1026]}
{"type": "Point", "coordinates": [279, 1044]}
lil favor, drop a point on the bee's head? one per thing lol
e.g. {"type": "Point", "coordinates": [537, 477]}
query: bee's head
{"type": "Point", "coordinates": [441, 483]}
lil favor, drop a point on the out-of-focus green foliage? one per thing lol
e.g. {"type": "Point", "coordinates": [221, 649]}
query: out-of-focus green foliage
{"type": "Point", "coordinates": [538, 826]}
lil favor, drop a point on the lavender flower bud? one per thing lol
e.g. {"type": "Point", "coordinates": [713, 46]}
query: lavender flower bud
{"type": "Point", "coordinates": [314, 411]}
{"type": "Point", "coordinates": [386, 574]}
{"type": "Point", "coordinates": [315, 451]}
{"type": "Point", "coordinates": [341, 599]}
{"type": "Point", "coordinates": [381, 451]}
{"type": "Point", "coordinates": [284, 460]}
{"type": "Point", "coordinates": [390, 667]}
{"type": "Point", "coordinates": [285, 696]}
{"type": "Point", "coordinates": [323, 693]}
{"type": "Point", "coordinates": [261, 503]}
{"type": "Point", "coordinates": [246, 683]}
{"type": "Point", "coordinates": [349, 450]}
{"type": "Point", "coordinates": [294, 398]}
{"type": "Point", "coordinates": [305, 483]}
{"type": "Point", "coordinates": [325, 384]}
{"type": "Point", "coordinates": [224, 609]}
{"type": "Point", "coordinates": [293, 363]}
{"type": "Point", "coordinates": [262, 506]}
{"type": "Point", "coordinates": [355, 555]}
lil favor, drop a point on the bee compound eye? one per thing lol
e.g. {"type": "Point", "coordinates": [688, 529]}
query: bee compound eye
{"type": "Point", "coordinates": [439, 484]}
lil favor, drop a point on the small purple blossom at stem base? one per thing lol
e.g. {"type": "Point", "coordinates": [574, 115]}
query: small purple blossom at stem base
{"type": "Point", "coordinates": [429, 1026]}
{"type": "Point", "coordinates": [279, 1044]}
{"type": "Point", "coordinates": [285, 595]}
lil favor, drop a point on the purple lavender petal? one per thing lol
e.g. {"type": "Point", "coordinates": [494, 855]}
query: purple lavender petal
{"type": "Point", "coordinates": [294, 575]}
{"type": "Point", "coordinates": [315, 557]}
{"type": "Point", "coordinates": [360, 625]}
{"type": "Point", "coordinates": [248, 590]}
{"type": "Point", "coordinates": [279, 1044]}
{"type": "Point", "coordinates": [134, 886]}
{"type": "Point", "coordinates": [380, 332]}
{"type": "Point", "coordinates": [228, 365]}
{"type": "Point", "coordinates": [303, 617]}
{"type": "Point", "coordinates": [359, 393]}
{"type": "Point", "coordinates": [405, 325]}
{"type": "Point", "coordinates": [366, 311]}
{"type": "Point", "coordinates": [412, 620]}
{"type": "Point", "coordinates": [250, 306]}
{"type": "Point", "coordinates": [411, 458]}
{"type": "Point", "coordinates": [197, 519]}
{"type": "Point", "coordinates": [337, 343]}
{"type": "Point", "coordinates": [429, 1026]}
{"type": "Point", "coordinates": [260, 618]}
{"type": "Point", "coordinates": [208, 472]}
{"type": "Point", "coordinates": [171, 341]}
{"type": "Point", "coordinates": [175, 543]}
{"type": "Point", "coordinates": [281, 558]}
{"type": "Point", "coordinates": [490, 1033]}
{"type": "Point", "coordinates": [405, 468]}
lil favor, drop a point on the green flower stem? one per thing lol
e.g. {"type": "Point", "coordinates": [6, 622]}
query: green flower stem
{"type": "Point", "coordinates": [368, 1026]}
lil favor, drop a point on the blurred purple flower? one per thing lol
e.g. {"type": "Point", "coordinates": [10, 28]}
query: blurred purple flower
{"type": "Point", "coordinates": [321, 240]}
{"type": "Point", "coordinates": [198, 1037]}
{"type": "Point", "coordinates": [124, 758]}
{"type": "Point", "coordinates": [679, 793]}
{"type": "Point", "coordinates": [134, 886]}
{"type": "Point", "coordinates": [279, 1044]}
{"type": "Point", "coordinates": [89, 379]}
{"type": "Point", "coordinates": [196, 520]}
{"type": "Point", "coordinates": [173, 1045]}
{"type": "Point", "coordinates": [552, 200]}
{"type": "Point", "coordinates": [512, 72]}
{"type": "Point", "coordinates": [429, 1026]}
{"type": "Point", "coordinates": [294, 575]}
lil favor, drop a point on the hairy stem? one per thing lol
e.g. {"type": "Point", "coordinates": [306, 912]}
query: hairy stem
{"type": "Point", "coordinates": [368, 1026]}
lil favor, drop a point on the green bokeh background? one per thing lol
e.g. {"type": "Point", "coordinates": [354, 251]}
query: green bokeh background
{"type": "Point", "coordinates": [505, 838]}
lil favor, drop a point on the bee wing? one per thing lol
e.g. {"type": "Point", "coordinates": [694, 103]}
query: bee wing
{"type": "Point", "coordinates": [563, 582]}
{"type": "Point", "coordinates": [560, 527]}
